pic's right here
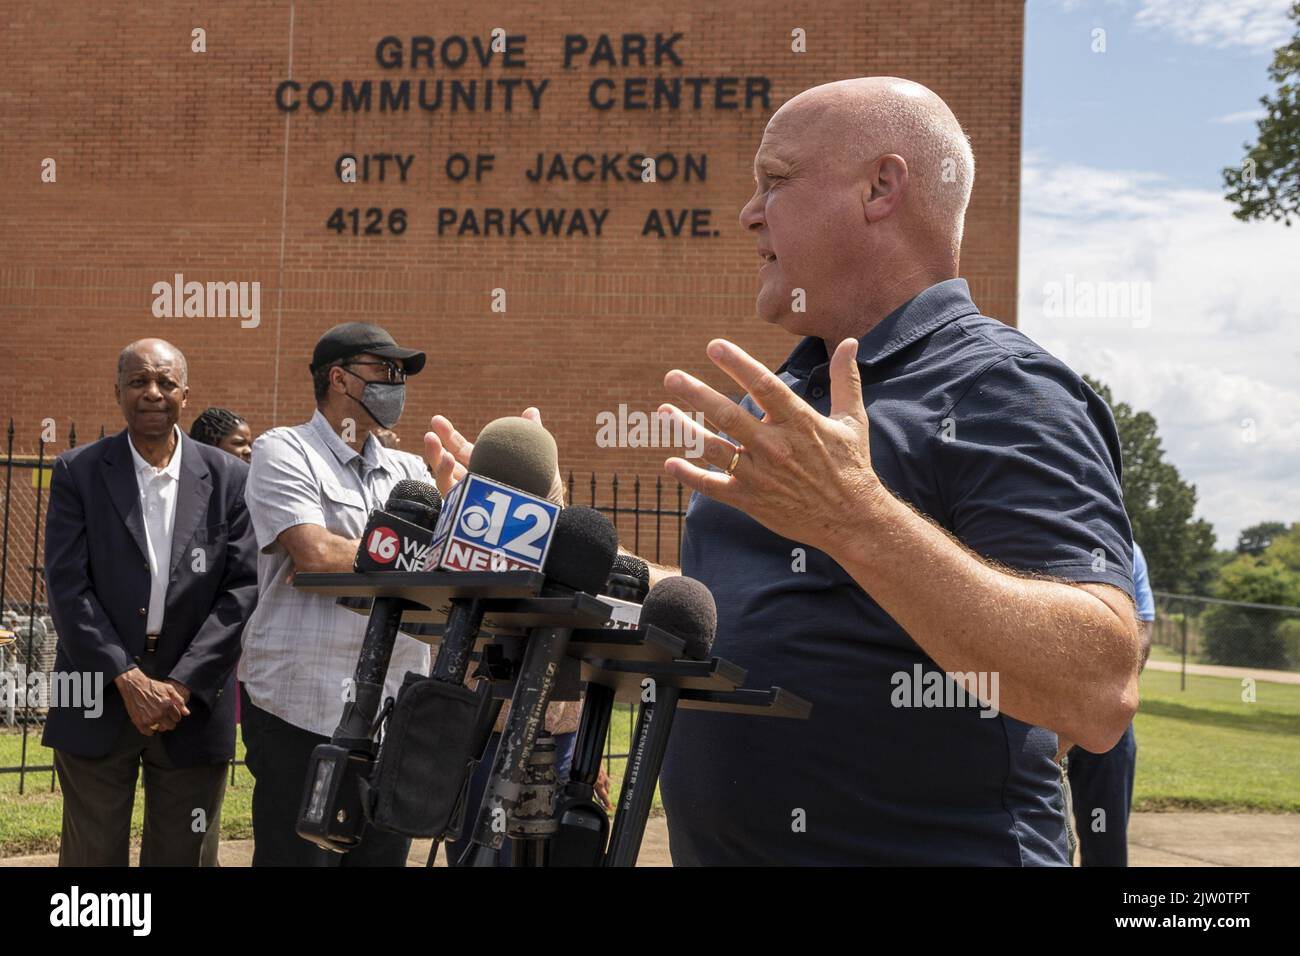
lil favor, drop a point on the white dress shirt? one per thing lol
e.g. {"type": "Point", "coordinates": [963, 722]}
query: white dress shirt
{"type": "Point", "coordinates": [158, 487]}
{"type": "Point", "coordinates": [300, 648]}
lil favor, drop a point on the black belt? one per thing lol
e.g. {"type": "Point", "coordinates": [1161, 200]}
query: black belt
{"type": "Point", "coordinates": [150, 643]}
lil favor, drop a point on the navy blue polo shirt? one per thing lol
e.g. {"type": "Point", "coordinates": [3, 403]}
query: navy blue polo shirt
{"type": "Point", "coordinates": [991, 437]}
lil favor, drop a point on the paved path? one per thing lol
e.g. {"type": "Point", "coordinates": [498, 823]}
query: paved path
{"type": "Point", "coordinates": [1214, 839]}
{"type": "Point", "coordinates": [1220, 670]}
{"type": "Point", "coordinates": [1155, 839]}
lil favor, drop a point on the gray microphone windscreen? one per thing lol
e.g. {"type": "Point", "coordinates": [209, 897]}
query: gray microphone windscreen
{"type": "Point", "coordinates": [516, 452]}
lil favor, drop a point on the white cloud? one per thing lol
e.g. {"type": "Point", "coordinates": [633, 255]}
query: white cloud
{"type": "Point", "coordinates": [1241, 116]}
{"type": "Point", "coordinates": [1069, 6]}
{"type": "Point", "coordinates": [1214, 360]}
{"type": "Point", "coordinates": [1251, 24]}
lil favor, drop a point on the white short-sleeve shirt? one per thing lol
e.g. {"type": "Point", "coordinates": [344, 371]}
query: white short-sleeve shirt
{"type": "Point", "coordinates": [300, 649]}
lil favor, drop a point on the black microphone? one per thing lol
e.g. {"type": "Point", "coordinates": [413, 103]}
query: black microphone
{"type": "Point", "coordinates": [522, 454]}
{"type": "Point", "coordinates": [683, 607]}
{"type": "Point", "coordinates": [629, 579]}
{"type": "Point", "coordinates": [582, 823]}
{"type": "Point", "coordinates": [395, 536]}
{"type": "Point", "coordinates": [395, 539]}
{"type": "Point", "coordinates": [580, 559]}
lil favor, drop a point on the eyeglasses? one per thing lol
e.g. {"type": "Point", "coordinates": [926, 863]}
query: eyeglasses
{"type": "Point", "coordinates": [395, 374]}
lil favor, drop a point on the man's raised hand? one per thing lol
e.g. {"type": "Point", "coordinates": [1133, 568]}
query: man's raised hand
{"type": "Point", "coordinates": [447, 453]}
{"type": "Point", "coordinates": [799, 473]}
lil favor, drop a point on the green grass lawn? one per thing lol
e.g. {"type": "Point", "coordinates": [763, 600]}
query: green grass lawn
{"type": "Point", "coordinates": [1202, 748]}
{"type": "Point", "coordinates": [30, 823]}
{"type": "Point", "coordinates": [1170, 655]}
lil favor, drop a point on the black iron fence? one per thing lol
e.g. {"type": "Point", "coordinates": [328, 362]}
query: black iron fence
{"type": "Point", "coordinates": [647, 514]}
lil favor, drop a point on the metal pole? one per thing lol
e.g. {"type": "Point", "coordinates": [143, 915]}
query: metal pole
{"type": "Point", "coordinates": [4, 547]}
{"type": "Point", "coordinates": [31, 612]}
{"type": "Point", "coordinates": [1182, 679]}
{"type": "Point", "coordinates": [659, 513]}
{"type": "Point", "coordinates": [636, 515]}
{"type": "Point", "coordinates": [681, 515]}
{"type": "Point", "coordinates": [614, 512]}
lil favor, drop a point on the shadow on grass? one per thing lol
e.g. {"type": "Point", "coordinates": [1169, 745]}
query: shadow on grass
{"type": "Point", "coordinates": [1257, 721]}
{"type": "Point", "coordinates": [1210, 805]}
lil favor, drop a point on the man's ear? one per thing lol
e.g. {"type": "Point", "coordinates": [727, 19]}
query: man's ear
{"type": "Point", "coordinates": [885, 186]}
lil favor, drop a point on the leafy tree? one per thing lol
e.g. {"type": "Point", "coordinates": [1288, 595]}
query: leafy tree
{"type": "Point", "coordinates": [1207, 575]}
{"type": "Point", "coordinates": [1267, 184]}
{"type": "Point", "coordinates": [1179, 548]}
{"type": "Point", "coordinates": [1285, 547]}
{"type": "Point", "coordinates": [1248, 636]}
{"type": "Point", "coordinates": [1259, 580]}
{"type": "Point", "coordinates": [1257, 537]}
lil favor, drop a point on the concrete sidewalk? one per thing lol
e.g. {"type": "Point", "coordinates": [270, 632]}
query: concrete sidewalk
{"type": "Point", "coordinates": [1222, 670]}
{"type": "Point", "coordinates": [1155, 839]}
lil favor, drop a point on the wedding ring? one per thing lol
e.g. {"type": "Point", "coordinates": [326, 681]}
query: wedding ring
{"type": "Point", "coordinates": [735, 460]}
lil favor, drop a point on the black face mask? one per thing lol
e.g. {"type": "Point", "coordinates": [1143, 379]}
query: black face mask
{"type": "Point", "coordinates": [383, 401]}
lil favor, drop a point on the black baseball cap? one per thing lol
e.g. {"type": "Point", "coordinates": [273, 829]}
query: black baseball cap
{"type": "Point", "coordinates": [353, 338]}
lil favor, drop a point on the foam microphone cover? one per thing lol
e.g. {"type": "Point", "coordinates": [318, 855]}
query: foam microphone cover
{"type": "Point", "coordinates": [516, 452]}
{"type": "Point", "coordinates": [416, 501]}
{"type": "Point", "coordinates": [683, 607]}
{"type": "Point", "coordinates": [583, 548]}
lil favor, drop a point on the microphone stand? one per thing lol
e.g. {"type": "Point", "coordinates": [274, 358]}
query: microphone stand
{"type": "Point", "coordinates": [450, 666]}
{"type": "Point", "coordinates": [532, 824]}
{"type": "Point", "coordinates": [581, 825]}
{"type": "Point", "coordinates": [533, 688]}
{"type": "Point", "coordinates": [653, 724]}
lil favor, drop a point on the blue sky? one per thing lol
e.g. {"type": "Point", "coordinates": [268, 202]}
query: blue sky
{"type": "Point", "coordinates": [1121, 192]}
{"type": "Point", "coordinates": [1155, 86]}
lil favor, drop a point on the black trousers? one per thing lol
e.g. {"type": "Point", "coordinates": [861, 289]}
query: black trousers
{"type": "Point", "coordinates": [277, 755]}
{"type": "Point", "coordinates": [182, 805]}
{"type": "Point", "coordinates": [1103, 782]}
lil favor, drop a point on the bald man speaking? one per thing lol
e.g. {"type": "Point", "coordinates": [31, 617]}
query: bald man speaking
{"type": "Point", "coordinates": [915, 523]}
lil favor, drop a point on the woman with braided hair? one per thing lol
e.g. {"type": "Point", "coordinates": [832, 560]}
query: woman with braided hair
{"type": "Point", "coordinates": [225, 430]}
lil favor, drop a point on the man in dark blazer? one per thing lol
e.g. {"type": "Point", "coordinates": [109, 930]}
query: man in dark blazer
{"type": "Point", "coordinates": [151, 572]}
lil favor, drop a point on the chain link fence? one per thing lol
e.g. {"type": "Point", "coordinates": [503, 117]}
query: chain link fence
{"type": "Point", "coordinates": [1201, 631]}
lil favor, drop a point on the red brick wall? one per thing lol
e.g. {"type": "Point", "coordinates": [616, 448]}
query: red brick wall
{"type": "Point", "coordinates": [172, 161]}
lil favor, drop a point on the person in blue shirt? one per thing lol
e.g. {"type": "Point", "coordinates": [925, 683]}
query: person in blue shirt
{"type": "Point", "coordinates": [920, 501]}
{"type": "Point", "coordinates": [1101, 785]}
